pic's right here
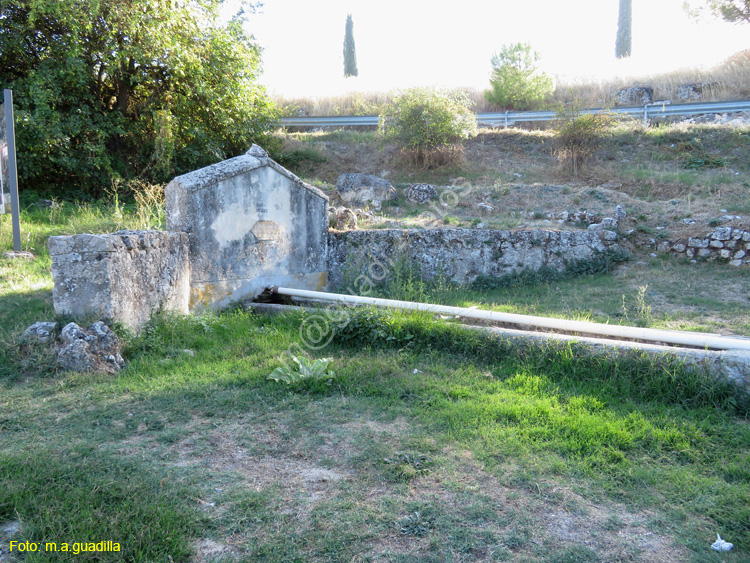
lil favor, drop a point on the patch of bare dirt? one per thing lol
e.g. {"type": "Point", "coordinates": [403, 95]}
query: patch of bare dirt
{"type": "Point", "coordinates": [206, 550]}
{"type": "Point", "coordinates": [558, 517]}
{"type": "Point", "coordinates": [611, 530]}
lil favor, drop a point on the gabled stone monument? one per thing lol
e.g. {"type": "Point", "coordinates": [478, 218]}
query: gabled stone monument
{"type": "Point", "coordinates": [235, 228]}
{"type": "Point", "coordinates": [251, 224]}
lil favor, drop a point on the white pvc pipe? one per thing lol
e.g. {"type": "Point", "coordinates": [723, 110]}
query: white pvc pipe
{"type": "Point", "coordinates": [698, 340]}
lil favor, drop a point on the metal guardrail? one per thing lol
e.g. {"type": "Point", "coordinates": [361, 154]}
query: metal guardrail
{"type": "Point", "coordinates": [508, 118]}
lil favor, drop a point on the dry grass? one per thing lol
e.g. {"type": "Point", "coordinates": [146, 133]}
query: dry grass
{"type": "Point", "coordinates": [730, 80]}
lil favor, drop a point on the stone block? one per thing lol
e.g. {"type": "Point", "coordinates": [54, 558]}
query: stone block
{"type": "Point", "coordinates": [697, 242]}
{"type": "Point", "coordinates": [703, 252]}
{"type": "Point", "coordinates": [421, 193]}
{"type": "Point", "coordinates": [679, 247]}
{"type": "Point", "coordinates": [126, 276]}
{"type": "Point", "coordinates": [360, 189]}
{"type": "Point", "coordinates": [735, 262]}
{"type": "Point", "coordinates": [722, 233]}
{"type": "Point", "coordinates": [746, 236]}
{"type": "Point", "coordinates": [634, 96]}
{"type": "Point", "coordinates": [716, 244]}
{"type": "Point", "coordinates": [725, 253]}
{"type": "Point", "coordinates": [740, 254]}
{"type": "Point", "coordinates": [251, 224]}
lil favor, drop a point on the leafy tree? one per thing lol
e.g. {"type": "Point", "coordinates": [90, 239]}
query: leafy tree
{"type": "Point", "coordinates": [624, 29]}
{"type": "Point", "coordinates": [429, 123]}
{"type": "Point", "coordinates": [516, 81]}
{"type": "Point", "coordinates": [125, 89]}
{"type": "Point", "coordinates": [735, 11]}
{"type": "Point", "coordinates": [350, 53]}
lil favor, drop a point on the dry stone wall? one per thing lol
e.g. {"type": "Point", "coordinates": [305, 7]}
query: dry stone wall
{"type": "Point", "coordinates": [125, 276]}
{"type": "Point", "coordinates": [457, 254]}
{"type": "Point", "coordinates": [724, 243]}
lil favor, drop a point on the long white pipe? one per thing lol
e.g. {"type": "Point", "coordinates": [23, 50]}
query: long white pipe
{"type": "Point", "coordinates": [648, 334]}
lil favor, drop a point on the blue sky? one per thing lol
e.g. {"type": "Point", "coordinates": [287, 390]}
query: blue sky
{"type": "Point", "coordinates": [403, 43]}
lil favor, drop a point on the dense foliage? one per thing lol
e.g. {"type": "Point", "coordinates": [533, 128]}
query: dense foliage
{"type": "Point", "coordinates": [425, 121]}
{"type": "Point", "coordinates": [132, 89]}
{"type": "Point", "coordinates": [516, 81]}
{"type": "Point", "coordinates": [735, 11]}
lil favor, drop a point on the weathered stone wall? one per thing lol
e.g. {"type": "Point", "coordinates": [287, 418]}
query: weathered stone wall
{"type": "Point", "coordinates": [724, 243]}
{"type": "Point", "coordinates": [126, 276]}
{"type": "Point", "coordinates": [458, 254]}
{"type": "Point", "coordinates": [251, 224]}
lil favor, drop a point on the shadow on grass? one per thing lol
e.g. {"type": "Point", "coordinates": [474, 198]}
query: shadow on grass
{"type": "Point", "coordinates": [80, 495]}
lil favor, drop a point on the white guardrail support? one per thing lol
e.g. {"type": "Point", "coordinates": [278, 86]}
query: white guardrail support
{"type": "Point", "coordinates": [509, 118]}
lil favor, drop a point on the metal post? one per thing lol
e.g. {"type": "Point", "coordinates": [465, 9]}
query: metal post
{"type": "Point", "coordinates": [11, 173]}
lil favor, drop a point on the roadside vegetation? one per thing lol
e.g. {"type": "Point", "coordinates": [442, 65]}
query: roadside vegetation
{"type": "Point", "coordinates": [726, 81]}
{"type": "Point", "coordinates": [429, 126]}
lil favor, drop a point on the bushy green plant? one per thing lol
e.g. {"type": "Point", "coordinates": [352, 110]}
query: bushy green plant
{"type": "Point", "coordinates": [415, 524]}
{"type": "Point", "coordinates": [578, 136]}
{"type": "Point", "coordinates": [305, 369]}
{"type": "Point", "coordinates": [516, 81]}
{"type": "Point", "coordinates": [368, 325]}
{"type": "Point", "coordinates": [144, 88]}
{"type": "Point", "coordinates": [429, 123]}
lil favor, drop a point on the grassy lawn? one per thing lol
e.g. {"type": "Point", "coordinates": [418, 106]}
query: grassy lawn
{"type": "Point", "coordinates": [431, 444]}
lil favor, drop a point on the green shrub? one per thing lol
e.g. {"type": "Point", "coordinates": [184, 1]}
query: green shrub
{"type": "Point", "coordinates": [371, 326]}
{"type": "Point", "coordinates": [516, 82]}
{"type": "Point", "coordinates": [429, 124]}
{"type": "Point", "coordinates": [579, 136]}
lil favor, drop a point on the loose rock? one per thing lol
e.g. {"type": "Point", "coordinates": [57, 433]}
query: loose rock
{"type": "Point", "coordinates": [635, 96]}
{"type": "Point", "coordinates": [21, 254]}
{"type": "Point", "coordinates": [421, 193]}
{"type": "Point", "coordinates": [41, 332]}
{"type": "Point", "coordinates": [94, 350]}
{"type": "Point", "coordinates": [361, 189]}
{"type": "Point", "coordinates": [342, 218]}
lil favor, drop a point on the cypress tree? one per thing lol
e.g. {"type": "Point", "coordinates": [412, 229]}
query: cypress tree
{"type": "Point", "coordinates": [624, 29]}
{"type": "Point", "coordinates": [350, 53]}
